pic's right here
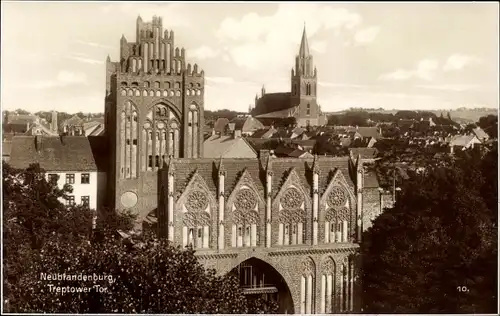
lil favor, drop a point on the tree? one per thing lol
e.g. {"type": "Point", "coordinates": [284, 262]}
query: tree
{"type": "Point", "coordinates": [436, 250]}
{"type": "Point", "coordinates": [140, 273]}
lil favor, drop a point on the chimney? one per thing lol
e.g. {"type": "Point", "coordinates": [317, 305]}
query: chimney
{"type": "Point", "coordinates": [231, 127]}
{"type": "Point", "coordinates": [38, 142]}
{"type": "Point", "coordinates": [213, 131]}
{"type": "Point", "coordinates": [54, 121]}
{"type": "Point", "coordinates": [237, 133]}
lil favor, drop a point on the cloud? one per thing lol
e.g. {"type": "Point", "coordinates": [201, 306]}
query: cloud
{"type": "Point", "coordinates": [260, 42]}
{"type": "Point", "coordinates": [425, 70]}
{"type": "Point", "coordinates": [204, 52]}
{"type": "Point", "coordinates": [457, 62]}
{"type": "Point", "coordinates": [92, 44]}
{"type": "Point", "coordinates": [366, 35]}
{"type": "Point", "coordinates": [63, 78]}
{"type": "Point", "coordinates": [86, 60]}
{"type": "Point", "coordinates": [319, 46]}
{"type": "Point", "coordinates": [452, 87]}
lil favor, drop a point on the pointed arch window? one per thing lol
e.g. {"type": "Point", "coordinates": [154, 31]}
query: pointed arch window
{"type": "Point", "coordinates": [291, 218]}
{"type": "Point", "coordinates": [328, 280]}
{"type": "Point", "coordinates": [196, 220]}
{"type": "Point", "coordinates": [245, 219]}
{"type": "Point", "coordinates": [307, 293]}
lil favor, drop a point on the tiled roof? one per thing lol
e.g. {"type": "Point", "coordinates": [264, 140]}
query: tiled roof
{"type": "Point", "coordinates": [264, 133]}
{"type": "Point", "coordinates": [272, 102]}
{"type": "Point", "coordinates": [216, 146]}
{"type": "Point", "coordinates": [247, 124]}
{"type": "Point", "coordinates": [67, 153]}
{"type": "Point", "coordinates": [371, 180]}
{"type": "Point", "coordinates": [234, 167]}
{"type": "Point", "coordinates": [368, 132]}
{"type": "Point", "coordinates": [461, 140]}
{"type": "Point", "coordinates": [480, 133]}
{"type": "Point", "coordinates": [278, 114]}
{"type": "Point", "coordinates": [75, 120]}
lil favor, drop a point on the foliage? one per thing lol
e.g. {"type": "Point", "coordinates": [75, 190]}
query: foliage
{"type": "Point", "coordinates": [441, 235]}
{"type": "Point", "coordinates": [330, 146]}
{"type": "Point", "coordinates": [489, 124]}
{"type": "Point", "coordinates": [137, 274]}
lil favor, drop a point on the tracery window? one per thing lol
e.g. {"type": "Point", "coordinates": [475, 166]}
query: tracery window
{"type": "Point", "coordinates": [245, 219]}
{"type": "Point", "coordinates": [196, 220]}
{"type": "Point", "coordinates": [291, 218]}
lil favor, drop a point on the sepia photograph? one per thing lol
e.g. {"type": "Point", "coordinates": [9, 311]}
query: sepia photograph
{"type": "Point", "coordinates": [214, 157]}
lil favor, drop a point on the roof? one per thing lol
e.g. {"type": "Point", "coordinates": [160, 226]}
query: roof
{"type": "Point", "coordinates": [480, 133]}
{"type": "Point", "coordinates": [272, 102]}
{"type": "Point", "coordinates": [220, 124]}
{"type": "Point", "coordinates": [75, 120]}
{"type": "Point", "coordinates": [368, 132]}
{"type": "Point", "coordinates": [304, 47]}
{"type": "Point", "coordinates": [461, 140]}
{"type": "Point", "coordinates": [66, 153]}
{"type": "Point", "coordinates": [247, 124]}
{"type": "Point", "coordinates": [48, 132]}
{"type": "Point", "coordinates": [216, 146]}
{"type": "Point", "coordinates": [366, 153]}
{"type": "Point", "coordinates": [278, 114]}
{"type": "Point", "coordinates": [371, 180]}
{"type": "Point", "coordinates": [264, 133]}
{"type": "Point", "coordinates": [208, 170]}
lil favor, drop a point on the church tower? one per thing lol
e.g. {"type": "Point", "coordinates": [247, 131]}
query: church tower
{"type": "Point", "coordinates": [304, 86]}
{"type": "Point", "coordinates": [153, 110]}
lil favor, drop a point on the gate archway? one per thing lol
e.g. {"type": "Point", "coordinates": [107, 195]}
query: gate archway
{"type": "Point", "coordinates": [260, 281]}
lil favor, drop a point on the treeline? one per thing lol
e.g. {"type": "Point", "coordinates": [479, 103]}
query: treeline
{"type": "Point", "coordinates": [212, 116]}
{"type": "Point", "coordinates": [365, 118]}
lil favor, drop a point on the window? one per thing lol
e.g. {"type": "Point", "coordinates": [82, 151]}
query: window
{"type": "Point", "coordinates": [85, 178]}
{"type": "Point", "coordinates": [128, 141]}
{"type": "Point", "coordinates": [52, 177]}
{"type": "Point", "coordinates": [150, 162]}
{"type": "Point", "coordinates": [134, 142]}
{"type": "Point", "coordinates": [70, 200]}
{"type": "Point", "coordinates": [308, 109]}
{"type": "Point", "coordinates": [157, 161]}
{"type": "Point", "coordinates": [157, 84]}
{"type": "Point", "coordinates": [70, 178]}
{"type": "Point", "coordinates": [86, 200]}
{"type": "Point", "coordinates": [146, 84]}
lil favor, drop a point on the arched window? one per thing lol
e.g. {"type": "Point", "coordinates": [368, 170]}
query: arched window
{"type": "Point", "coordinates": [158, 93]}
{"type": "Point", "coordinates": [337, 217]}
{"type": "Point", "coordinates": [123, 84]}
{"type": "Point", "coordinates": [177, 93]}
{"type": "Point", "coordinates": [191, 85]}
{"type": "Point", "coordinates": [245, 219]}
{"type": "Point", "coordinates": [167, 85]}
{"type": "Point", "coordinates": [145, 93]}
{"type": "Point", "coordinates": [196, 220]}
{"type": "Point", "coordinates": [199, 85]}
{"type": "Point", "coordinates": [328, 280]}
{"type": "Point", "coordinates": [187, 91]}
{"type": "Point", "coordinates": [177, 85]}
{"type": "Point", "coordinates": [307, 296]}
{"type": "Point", "coordinates": [123, 92]}
{"type": "Point", "coordinates": [308, 109]}
{"type": "Point", "coordinates": [137, 93]}
{"type": "Point", "coordinates": [172, 93]}
{"type": "Point", "coordinates": [165, 93]}
{"type": "Point", "coordinates": [151, 93]}
{"type": "Point", "coordinates": [146, 84]}
{"type": "Point", "coordinates": [198, 92]}
{"type": "Point", "coordinates": [292, 218]}
{"type": "Point", "coordinates": [157, 85]}
{"type": "Point", "coordinates": [130, 92]}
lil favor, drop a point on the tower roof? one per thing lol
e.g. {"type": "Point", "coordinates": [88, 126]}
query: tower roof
{"type": "Point", "coordinates": [304, 46]}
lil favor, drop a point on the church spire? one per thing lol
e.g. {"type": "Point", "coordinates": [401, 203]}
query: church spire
{"type": "Point", "coordinates": [304, 46]}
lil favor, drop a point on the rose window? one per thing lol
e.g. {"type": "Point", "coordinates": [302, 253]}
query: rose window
{"type": "Point", "coordinates": [245, 200]}
{"type": "Point", "coordinates": [196, 201]}
{"type": "Point", "coordinates": [291, 199]}
{"type": "Point", "coordinates": [337, 197]}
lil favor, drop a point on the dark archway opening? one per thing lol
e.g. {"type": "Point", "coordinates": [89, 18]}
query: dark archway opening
{"type": "Point", "coordinates": [264, 287]}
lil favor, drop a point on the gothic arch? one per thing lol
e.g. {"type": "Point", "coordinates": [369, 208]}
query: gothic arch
{"type": "Point", "coordinates": [129, 135]}
{"type": "Point", "coordinates": [166, 102]}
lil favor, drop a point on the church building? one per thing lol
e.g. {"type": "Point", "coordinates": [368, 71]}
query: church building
{"type": "Point", "coordinates": [301, 103]}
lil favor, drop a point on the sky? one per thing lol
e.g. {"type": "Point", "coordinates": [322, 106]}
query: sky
{"type": "Point", "coordinates": [390, 55]}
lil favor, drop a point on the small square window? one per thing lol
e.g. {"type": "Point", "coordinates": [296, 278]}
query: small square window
{"type": "Point", "coordinates": [70, 178]}
{"type": "Point", "coordinates": [85, 178]}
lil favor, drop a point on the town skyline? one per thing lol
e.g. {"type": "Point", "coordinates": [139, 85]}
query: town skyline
{"type": "Point", "coordinates": [453, 62]}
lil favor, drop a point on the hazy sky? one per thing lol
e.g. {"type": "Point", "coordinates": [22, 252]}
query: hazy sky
{"type": "Point", "coordinates": [404, 56]}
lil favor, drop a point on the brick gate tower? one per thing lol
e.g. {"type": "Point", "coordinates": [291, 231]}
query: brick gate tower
{"type": "Point", "coordinates": [153, 110]}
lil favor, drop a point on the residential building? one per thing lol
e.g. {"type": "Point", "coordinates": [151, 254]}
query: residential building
{"type": "Point", "coordinates": [463, 142]}
{"type": "Point", "coordinates": [70, 159]}
{"type": "Point", "coordinates": [247, 125]}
